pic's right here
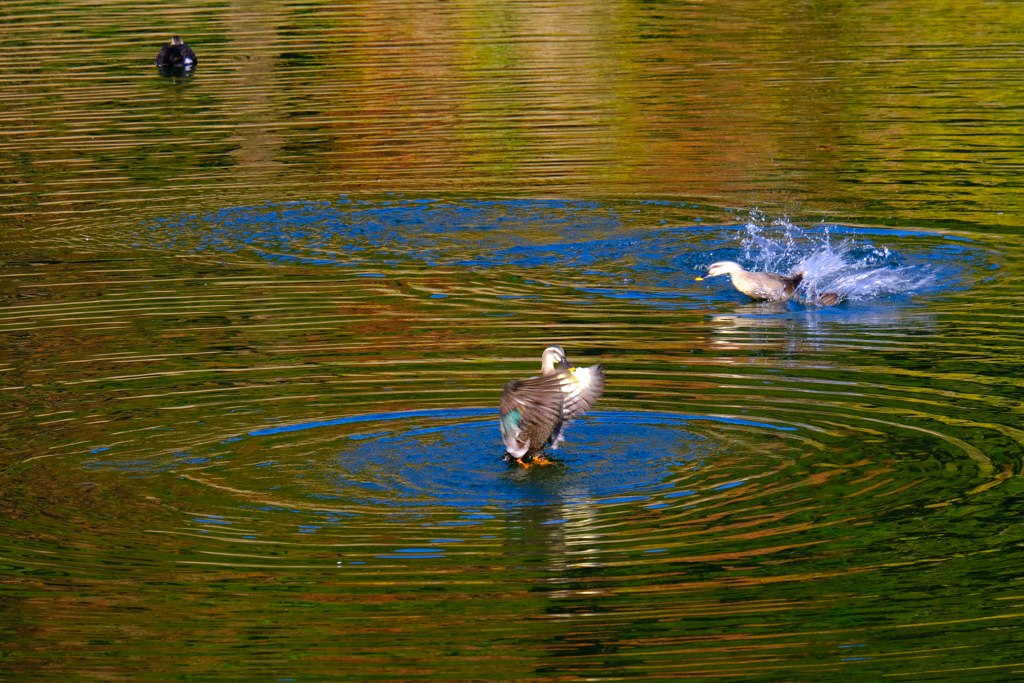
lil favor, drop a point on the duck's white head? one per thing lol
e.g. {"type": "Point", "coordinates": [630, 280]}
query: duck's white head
{"type": "Point", "coordinates": [723, 268]}
{"type": "Point", "coordinates": [552, 358]}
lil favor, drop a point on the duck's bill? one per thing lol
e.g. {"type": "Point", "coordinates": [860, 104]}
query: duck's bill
{"type": "Point", "coordinates": [697, 279]}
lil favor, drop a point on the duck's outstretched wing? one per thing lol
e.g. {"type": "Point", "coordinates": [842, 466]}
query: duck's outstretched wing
{"type": "Point", "coordinates": [531, 409]}
{"type": "Point", "coordinates": [582, 387]}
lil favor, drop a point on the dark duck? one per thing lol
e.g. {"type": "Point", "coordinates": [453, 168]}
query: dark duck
{"type": "Point", "coordinates": [176, 55]}
{"type": "Point", "coordinates": [534, 412]}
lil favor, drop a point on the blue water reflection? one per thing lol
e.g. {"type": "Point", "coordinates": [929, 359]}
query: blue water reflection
{"type": "Point", "coordinates": [643, 251]}
{"type": "Point", "coordinates": [612, 458]}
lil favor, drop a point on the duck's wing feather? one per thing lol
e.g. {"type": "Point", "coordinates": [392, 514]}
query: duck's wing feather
{"type": "Point", "coordinates": [582, 387]}
{"type": "Point", "coordinates": [529, 407]}
{"type": "Point", "coordinates": [791, 282]}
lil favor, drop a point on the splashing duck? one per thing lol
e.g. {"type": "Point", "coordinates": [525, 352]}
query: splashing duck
{"type": "Point", "coordinates": [176, 55]}
{"type": "Point", "coordinates": [764, 286]}
{"type": "Point", "coordinates": [534, 412]}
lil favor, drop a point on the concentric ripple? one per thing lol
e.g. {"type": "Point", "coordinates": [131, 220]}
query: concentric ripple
{"type": "Point", "coordinates": [320, 441]}
{"type": "Point", "coordinates": [612, 456]}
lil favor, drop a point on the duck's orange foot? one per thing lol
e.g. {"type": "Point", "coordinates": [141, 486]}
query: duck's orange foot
{"type": "Point", "coordinates": [513, 460]}
{"type": "Point", "coordinates": [528, 461]}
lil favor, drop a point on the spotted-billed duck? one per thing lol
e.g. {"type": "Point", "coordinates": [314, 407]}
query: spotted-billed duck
{"type": "Point", "coordinates": [534, 412]}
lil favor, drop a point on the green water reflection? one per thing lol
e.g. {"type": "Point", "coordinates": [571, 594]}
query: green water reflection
{"type": "Point", "coordinates": [900, 114]}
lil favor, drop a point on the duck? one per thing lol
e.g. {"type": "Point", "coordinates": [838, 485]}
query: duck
{"type": "Point", "coordinates": [534, 412]}
{"type": "Point", "coordinates": [176, 54]}
{"type": "Point", "coordinates": [764, 286]}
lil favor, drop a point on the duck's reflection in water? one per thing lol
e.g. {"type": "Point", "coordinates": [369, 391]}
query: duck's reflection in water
{"type": "Point", "coordinates": [556, 537]}
{"type": "Point", "coordinates": [792, 328]}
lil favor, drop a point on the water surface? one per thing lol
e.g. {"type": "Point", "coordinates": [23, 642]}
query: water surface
{"type": "Point", "coordinates": [255, 322]}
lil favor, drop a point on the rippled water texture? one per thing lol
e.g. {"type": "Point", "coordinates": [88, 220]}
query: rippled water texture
{"type": "Point", "coordinates": [255, 321]}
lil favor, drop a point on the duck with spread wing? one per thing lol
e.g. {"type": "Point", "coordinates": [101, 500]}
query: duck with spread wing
{"type": "Point", "coordinates": [534, 412]}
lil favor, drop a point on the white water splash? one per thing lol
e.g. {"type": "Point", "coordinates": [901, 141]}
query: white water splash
{"type": "Point", "coordinates": [856, 271]}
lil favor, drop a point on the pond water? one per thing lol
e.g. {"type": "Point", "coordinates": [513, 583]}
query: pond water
{"type": "Point", "coordinates": [255, 321]}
